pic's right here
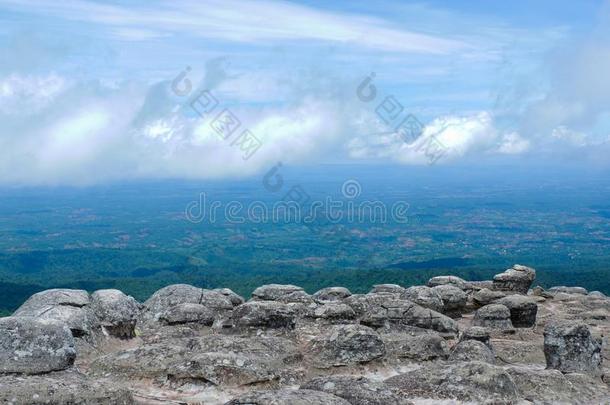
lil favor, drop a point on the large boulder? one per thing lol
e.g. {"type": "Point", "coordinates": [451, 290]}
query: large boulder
{"type": "Point", "coordinates": [571, 348]}
{"type": "Point", "coordinates": [65, 387]}
{"type": "Point", "coordinates": [415, 346]}
{"type": "Point", "coordinates": [187, 313]}
{"type": "Point", "coordinates": [343, 345]}
{"type": "Point", "coordinates": [68, 306]}
{"type": "Point", "coordinates": [486, 296]}
{"type": "Point", "coordinates": [231, 295]}
{"type": "Point", "coordinates": [477, 333]}
{"type": "Point", "coordinates": [449, 280]}
{"type": "Point", "coordinates": [168, 297]}
{"type": "Point", "coordinates": [464, 381]}
{"type": "Point", "coordinates": [387, 288]}
{"type": "Point", "coordinates": [522, 309]}
{"type": "Point", "coordinates": [472, 350]}
{"type": "Point", "coordinates": [518, 279]}
{"type": "Point", "coordinates": [356, 390]}
{"type": "Point", "coordinates": [453, 298]}
{"type": "Point", "coordinates": [264, 314]}
{"type": "Point", "coordinates": [116, 312]}
{"type": "Point", "coordinates": [34, 346]}
{"type": "Point", "coordinates": [493, 316]}
{"type": "Point", "coordinates": [331, 294]}
{"type": "Point", "coordinates": [288, 397]}
{"type": "Point", "coordinates": [334, 311]}
{"type": "Point", "coordinates": [273, 292]}
{"type": "Point", "coordinates": [424, 296]}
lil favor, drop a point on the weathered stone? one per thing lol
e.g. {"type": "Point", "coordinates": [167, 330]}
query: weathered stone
{"type": "Point", "coordinates": [335, 311]}
{"type": "Point", "coordinates": [34, 346]}
{"type": "Point", "coordinates": [472, 350]}
{"type": "Point", "coordinates": [169, 296]}
{"type": "Point", "coordinates": [493, 316]}
{"type": "Point", "coordinates": [342, 345]}
{"type": "Point", "coordinates": [66, 387]}
{"type": "Point", "coordinates": [57, 296]}
{"type": "Point", "coordinates": [215, 301]}
{"type": "Point", "coordinates": [332, 294]}
{"type": "Point", "coordinates": [424, 296]}
{"type": "Point", "coordinates": [522, 309]}
{"type": "Point", "coordinates": [232, 296]}
{"type": "Point", "coordinates": [187, 313]}
{"type": "Point", "coordinates": [463, 381]}
{"type": "Point", "coordinates": [454, 300]}
{"type": "Point", "coordinates": [415, 346]}
{"type": "Point", "coordinates": [387, 288]}
{"type": "Point", "coordinates": [518, 279]}
{"type": "Point", "coordinates": [449, 280]}
{"type": "Point", "coordinates": [597, 294]}
{"type": "Point", "coordinates": [356, 390]}
{"type": "Point", "coordinates": [266, 314]}
{"type": "Point", "coordinates": [571, 348]}
{"type": "Point", "coordinates": [116, 312]}
{"type": "Point", "coordinates": [273, 292]}
{"type": "Point", "coordinates": [485, 296]}
{"type": "Point", "coordinates": [477, 333]}
{"type": "Point", "coordinates": [296, 297]}
{"type": "Point", "coordinates": [567, 290]}
{"type": "Point", "coordinates": [479, 285]}
{"type": "Point", "coordinates": [288, 397]}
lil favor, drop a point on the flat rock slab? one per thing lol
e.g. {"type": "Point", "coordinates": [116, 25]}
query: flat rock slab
{"type": "Point", "coordinates": [288, 397]}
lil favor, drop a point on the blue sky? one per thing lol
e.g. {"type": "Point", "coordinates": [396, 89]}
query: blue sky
{"type": "Point", "coordinates": [85, 86]}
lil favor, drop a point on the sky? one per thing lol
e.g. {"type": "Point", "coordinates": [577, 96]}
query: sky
{"type": "Point", "coordinates": [102, 91]}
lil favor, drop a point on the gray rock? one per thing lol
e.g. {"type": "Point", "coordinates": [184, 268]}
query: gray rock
{"type": "Point", "coordinates": [187, 313]}
{"type": "Point", "coordinates": [273, 292]}
{"type": "Point", "coordinates": [454, 300]}
{"type": "Point", "coordinates": [116, 312]}
{"type": "Point", "coordinates": [567, 290]}
{"type": "Point", "coordinates": [264, 314]}
{"type": "Point", "coordinates": [449, 280]}
{"type": "Point", "coordinates": [477, 333]}
{"type": "Point", "coordinates": [288, 397]}
{"type": "Point", "coordinates": [296, 297]}
{"type": "Point", "coordinates": [356, 390]}
{"type": "Point", "coordinates": [415, 346]}
{"type": "Point", "coordinates": [342, 345]}
{"type": "Point", "coordinates": [518, 279]}
{"type": "Point", "coordinates": [65, 387]}
{"type": "Point", "coordinates": [597, 294]}
{"type": "Point", "coordinates": [332, 294]}
{"type": "Point", "coordinates": [64, 305]}
{"type": "Point", "coordinates": [387, 288]}
{"type": "Point", "coordinates": [571, 348]}
{"type": "Point", "coordinates": [34, 346]}
{"type": "Point", "coordinates": [522, 309]}
{"type": "Point", "coordinates": [493, 316]}
{"type": "Point", "coordinates": [424, 296]}
{"type": "Point", "coordinates": [463, 381]}
{"type": "Point", "coordinates": [169, 296]}
{"type": "Point", "coordinates": [334, 311]}
{"type": "Point", "coordinates": [479, 285]}
{"type": "Point", "coordinates": [215, 301]}
{"type": "Point", "coordinates": [472, 350]}
{"type": "Point", "coordinates": [485, 297]}
{"type": "Point", "coordinates": [232, 296]}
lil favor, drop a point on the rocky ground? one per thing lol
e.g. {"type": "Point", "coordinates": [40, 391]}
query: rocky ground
{"type": "Point", "coordinates": [451, 341]}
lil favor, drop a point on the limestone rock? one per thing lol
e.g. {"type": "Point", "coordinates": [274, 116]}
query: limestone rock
{"type": "Point", "coordinates": [424, 296]}
{"type": "Point", "coordinates": [571, 348]}
{"type": "Point", "coordinates": [522, 309]}
{"type": "Point", "coordinates": [472, 350]}
{"type": "Point", "coordinates": [463, 381]}
{"type": "Point", "coordinates": [267, 314]}
{"type": "Point", "coordinates": [454, 300]}
{"type": "Point", "coordinates": [518, 279]}
{"type": "Point", "coordinates": [449, 280]}
{"type": "Point", "coordinates": [342, 345]}
{"type": "Point", "coordinates": [288, 397]}
{"type": "Point", "coordinates": [356, 390]}
{"type": "Point", "coordinates": [493, 316]}
{"type": "Point", "coordinates": [116, 312]}
{"type": "Point", "coordinates": [332, 294]}
{"type": "Point", "coordinates": [34, 346]}
{"type": "Point", "coordinates": [66, 387]}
